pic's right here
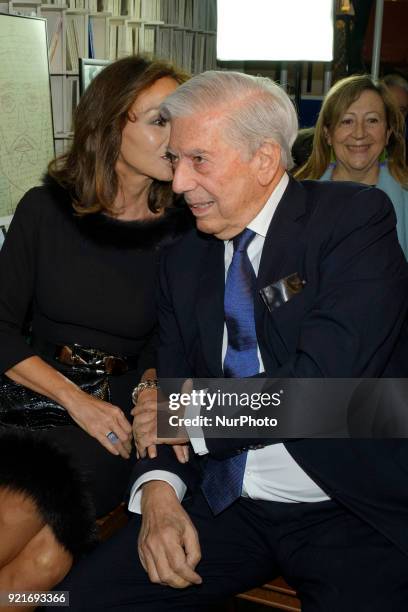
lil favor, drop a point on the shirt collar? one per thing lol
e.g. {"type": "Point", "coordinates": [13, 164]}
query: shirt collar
{"type": "Point", "coordinates": [263, 219]}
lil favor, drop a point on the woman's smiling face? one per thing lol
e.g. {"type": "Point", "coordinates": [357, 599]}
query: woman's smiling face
{"type": "Point", "coordinates": [360, 135]}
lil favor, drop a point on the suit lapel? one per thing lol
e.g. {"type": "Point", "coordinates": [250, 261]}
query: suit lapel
{"type": "Point", "coordinates": [284, 236]}
{"type": "Point", "coordinates": [280, 257]}
{"type": "Point", "coordinates": [210, 306]}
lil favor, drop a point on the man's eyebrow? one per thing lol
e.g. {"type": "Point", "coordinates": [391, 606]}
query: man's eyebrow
{"type": "Point", "coordinates": [191, 153]}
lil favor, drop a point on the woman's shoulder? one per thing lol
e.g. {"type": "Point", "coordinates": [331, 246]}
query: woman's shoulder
{"type": "Point", "coordinates": [46, 199]}
{"type": "Point", "coordinates": [395, 190]}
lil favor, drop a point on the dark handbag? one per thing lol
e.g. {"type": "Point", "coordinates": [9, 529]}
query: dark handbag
{"type": "Point", "coordinates": [21, 407]}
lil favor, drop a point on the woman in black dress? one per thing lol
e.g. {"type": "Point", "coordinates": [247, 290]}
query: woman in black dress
{"type": "Point", "coordinates": [79, 263]}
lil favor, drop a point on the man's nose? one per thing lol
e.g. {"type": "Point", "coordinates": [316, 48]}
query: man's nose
{"type": "Point", "coordinates": [183, 179]}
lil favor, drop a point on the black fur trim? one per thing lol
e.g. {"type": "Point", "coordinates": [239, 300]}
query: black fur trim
{"type": "Point", "coordinates": [136, 234]}
{"type": "Point", "coordinates": [39, 469]}
{"type": "Point", "coordinates": [107, 231]}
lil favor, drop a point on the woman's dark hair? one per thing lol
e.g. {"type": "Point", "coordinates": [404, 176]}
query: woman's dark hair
{"type": "Point", "coordinates": [88, 169]}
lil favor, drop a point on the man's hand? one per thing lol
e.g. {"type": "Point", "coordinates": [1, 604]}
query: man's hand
{"type": "Point", "coordinates": [168, 544]}
{"type": "Point", "coordinates": [145, 426]}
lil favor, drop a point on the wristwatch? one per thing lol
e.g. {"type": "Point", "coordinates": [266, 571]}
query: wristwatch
{"type": "Point", "coordinates": [150, 383]}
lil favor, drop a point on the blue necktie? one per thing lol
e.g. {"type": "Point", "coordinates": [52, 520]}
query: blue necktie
{"type": "Point", "coordinates": [222, 482]}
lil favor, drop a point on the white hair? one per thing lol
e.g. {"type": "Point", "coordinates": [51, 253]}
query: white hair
{"type": "Point", "coordinates": [256, 109]}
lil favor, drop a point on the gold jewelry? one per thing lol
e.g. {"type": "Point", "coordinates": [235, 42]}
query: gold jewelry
{"type": "Point", "coordinates": [150, 383]}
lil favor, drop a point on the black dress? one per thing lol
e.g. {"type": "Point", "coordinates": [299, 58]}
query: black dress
{"type": "Point", "coordinates": [86, 280]}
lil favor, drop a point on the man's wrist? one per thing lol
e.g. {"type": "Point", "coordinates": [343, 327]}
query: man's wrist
{"type": "Point", "coordinates": [145, 385]}
{"type": "Point", "coordinates": [156, 487]}
{"type": "Point", "coordinates": [173, 480]}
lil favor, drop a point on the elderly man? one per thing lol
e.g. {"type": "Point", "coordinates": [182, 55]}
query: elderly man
{"type": "Point", "coordinates": [329, 515]}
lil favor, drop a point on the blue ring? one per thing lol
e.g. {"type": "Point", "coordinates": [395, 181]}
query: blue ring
{"type": "Point", "coordinates": [112, 437]}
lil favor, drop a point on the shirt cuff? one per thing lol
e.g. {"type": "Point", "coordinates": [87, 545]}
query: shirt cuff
{"type": "Point", "coordinates": [195, 432]}
{"type": "Point", "coordinates": [136, 491]}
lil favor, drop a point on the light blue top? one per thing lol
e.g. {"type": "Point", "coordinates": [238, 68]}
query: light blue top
{"type": "Point", "coordinates": [398, 196]}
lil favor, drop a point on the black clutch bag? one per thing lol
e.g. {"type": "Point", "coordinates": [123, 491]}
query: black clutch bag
{"type": "Point", "coordinates": [21, 407]}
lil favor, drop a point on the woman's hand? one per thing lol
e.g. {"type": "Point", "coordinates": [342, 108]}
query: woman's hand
{"type": "Point", "coordinates": [98, 419]}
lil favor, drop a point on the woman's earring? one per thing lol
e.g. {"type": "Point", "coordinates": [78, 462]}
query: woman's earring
{"type": "Point", "coordinates": [333, 160]}
{"type": "Point", "coordinates": [382, 160]}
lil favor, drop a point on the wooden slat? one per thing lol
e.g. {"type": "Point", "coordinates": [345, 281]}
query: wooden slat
{"type": "Point", "coordinates": [112, 522]}
{"type": "Point", "coordinates": [277, 594]}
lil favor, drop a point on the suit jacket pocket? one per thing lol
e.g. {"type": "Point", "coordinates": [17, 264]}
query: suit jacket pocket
{"type": "Point", "coordinates": [282, 326]}
{"type": "Point", "coordinates": [278, 293]}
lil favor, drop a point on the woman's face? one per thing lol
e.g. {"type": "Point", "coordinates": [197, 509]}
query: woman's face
{"type": "Point", "coordinates": [360, 135]}
{"type": "Point", "coordinates": [146, 135]}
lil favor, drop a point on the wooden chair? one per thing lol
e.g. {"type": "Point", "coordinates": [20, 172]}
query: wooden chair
{"type": "Point", "coordinates": [275, 594]}
{"type": "Point", "coordinates": [112, 522]}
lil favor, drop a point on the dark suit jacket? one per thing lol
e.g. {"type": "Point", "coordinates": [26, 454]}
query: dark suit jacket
{"type": "Point", "coordinates": [349, 321]}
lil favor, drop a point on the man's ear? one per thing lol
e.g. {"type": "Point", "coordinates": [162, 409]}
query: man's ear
{"type": "Point", "coordinates": [268, 159]}
{"type": "Point", "coordinates": [327, 136]}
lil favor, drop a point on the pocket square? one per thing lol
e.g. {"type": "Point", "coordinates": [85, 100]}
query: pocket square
{"type": "Point", "coordinates": [282, 291]}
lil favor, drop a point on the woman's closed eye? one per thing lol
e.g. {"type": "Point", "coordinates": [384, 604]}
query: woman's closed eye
{"type": "Point", "coordinates": [172, 158]}
{"type": "Point", "coordinates": [160, 121]}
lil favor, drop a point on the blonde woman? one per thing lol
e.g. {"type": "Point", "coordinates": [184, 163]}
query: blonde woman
{"type": "Point", "coordinates": [359, 137]}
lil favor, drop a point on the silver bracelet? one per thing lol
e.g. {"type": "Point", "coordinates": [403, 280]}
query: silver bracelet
{"type": "Point", "coordinates": [150, 383]}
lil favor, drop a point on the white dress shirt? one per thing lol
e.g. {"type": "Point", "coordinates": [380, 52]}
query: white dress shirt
{"type": "Point", "coordinates": [271, 474]}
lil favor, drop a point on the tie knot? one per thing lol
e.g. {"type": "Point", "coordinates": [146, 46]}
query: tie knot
{"type": "Point", "coordinates": [243, 239]}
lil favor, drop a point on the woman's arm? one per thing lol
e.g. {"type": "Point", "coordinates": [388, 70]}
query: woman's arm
{"type": "Point", "coordinates": [19, 261]}
{"type": "Point", "coordinates": [93, 415]}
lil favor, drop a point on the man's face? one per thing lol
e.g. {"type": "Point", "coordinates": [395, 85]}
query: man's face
{"type": "Point", "coordinates": [220, 184]}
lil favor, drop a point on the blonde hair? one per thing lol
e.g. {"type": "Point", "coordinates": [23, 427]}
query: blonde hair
{"type": "Point", "coordinates": [335, 105]}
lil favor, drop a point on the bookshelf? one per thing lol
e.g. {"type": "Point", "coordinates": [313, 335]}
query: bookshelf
{"type": "Point", "coordinates": [181, 31]}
